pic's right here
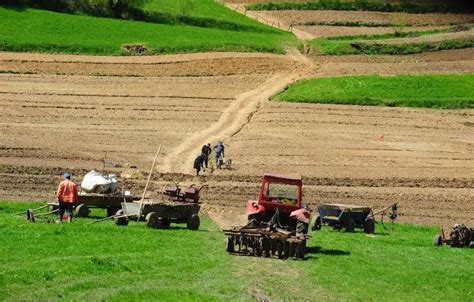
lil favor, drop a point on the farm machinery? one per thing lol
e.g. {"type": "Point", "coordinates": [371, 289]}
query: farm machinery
{"type": "Point", "coordinates": [459, 236]}
{"type": "Point", "coordinates": [350, 217]}
{"type": "Point", "coordinates": [177, 207]}
{"type": "Point", "coordinates": [277, 221]}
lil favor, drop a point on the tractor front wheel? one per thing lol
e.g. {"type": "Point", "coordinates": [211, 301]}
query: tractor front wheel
{"type": "Point", "coordinates": [193, 222]}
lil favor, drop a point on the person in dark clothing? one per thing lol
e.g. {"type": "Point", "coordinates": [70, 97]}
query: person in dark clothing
{"type": "Point", "coordinates": [199, 164]}
{"type": "Point", "coordinates": [206, 151]}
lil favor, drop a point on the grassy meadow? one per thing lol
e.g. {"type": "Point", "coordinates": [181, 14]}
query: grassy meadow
{"type": "Point", "coordinates": [35, 30]}
{"type": "Point", "coordinates": [452, 91]}
{"type": "Point", "coordinates": [77, 261]}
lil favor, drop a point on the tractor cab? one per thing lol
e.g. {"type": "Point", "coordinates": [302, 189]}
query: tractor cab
{"type": "Point", "coordinates": [280, 193]}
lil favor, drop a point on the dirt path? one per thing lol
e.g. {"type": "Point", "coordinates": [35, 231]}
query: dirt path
{"type": "Point", "coordinates": [238, 114]}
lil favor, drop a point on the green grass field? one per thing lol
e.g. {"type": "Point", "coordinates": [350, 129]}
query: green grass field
{"type": "Point", "coordinates": [105, 262]}
{"type": "Point", "coordinates": [206, 9]}
{"type": "Point", "coordinates": [354, 45]}
{"type": "Point", "coordinates": [452, 91]}
{"type": "Point", "coordinates": [44, 31]}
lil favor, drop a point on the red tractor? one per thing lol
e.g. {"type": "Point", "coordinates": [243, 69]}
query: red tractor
{"type": "Point", "coordinates": [277, 221]}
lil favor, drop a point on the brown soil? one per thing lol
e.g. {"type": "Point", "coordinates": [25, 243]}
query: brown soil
{"type": "Point", "coordinates": [304, 16]}
{"type": "Point", "coordinates": [323, 31]}
{"type": "Point", "coordinates": [68, 122]}
{"type": "Point", "coordinates": [462, 35]}
{"type": "Point", "coordinates": [157, 66]}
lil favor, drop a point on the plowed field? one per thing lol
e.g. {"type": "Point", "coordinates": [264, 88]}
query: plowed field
{"type": "Point", "coordinates": [64, 119]}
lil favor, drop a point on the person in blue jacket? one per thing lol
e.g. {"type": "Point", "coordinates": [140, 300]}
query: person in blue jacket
{"type": "Point", "coordinates": [219, 151]}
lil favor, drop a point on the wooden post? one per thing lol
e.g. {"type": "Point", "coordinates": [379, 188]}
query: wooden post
{"type": "Point", "coordinates": [148, 182]}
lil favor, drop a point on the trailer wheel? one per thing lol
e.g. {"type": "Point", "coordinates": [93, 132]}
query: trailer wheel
{"type": "Point", "coordinates": [152, 220]}
{"type": "Point", "coordinates": [53, 207]}
{"type": "Point", "coordinates": [82, 210]}
{"type": "Point", "coordinates": [350, 225]}
{"type": "Point", "coordinates": [230, 244]}
{"type": "Point", "coordinates": [317, 224]}
{"type": "Point", "coordinates": [111, 211]}
{"type": "Point", "coordinates": [437, 240]}
{"type": "Point", "coordinates": [121, 220]}
{"type": "Point", "coordinates": [369, 226]}
{"type": "Point", "coordinates": [193, 222]}
{"type": "Point", "coordinates": [164, 222]}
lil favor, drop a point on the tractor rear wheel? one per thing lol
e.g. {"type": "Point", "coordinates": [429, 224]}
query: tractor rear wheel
{"type": "Point", "coordinates": [369, 226]}
{"type": "Point", "coordinates": [82, 210]}
{"type": "Point", "coordinates": [301, 228]}
{"type": "Point", "coordinates": [193, 222]}
{"type": "Point", "coordinates": [437, 240]}
{"type": "Point", "coordinates": [350, 225]}
{"type": "Point", "coordinates": [121, 220]}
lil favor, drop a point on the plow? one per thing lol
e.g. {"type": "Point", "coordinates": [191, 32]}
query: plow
{"type": "Point", "coordinates": [277, 221]}
{"type": "Point", "coordinates": [265, 241]}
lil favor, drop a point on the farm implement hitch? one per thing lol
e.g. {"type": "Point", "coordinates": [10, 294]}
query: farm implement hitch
{"type": "Point", "coordinates": [43, 213]}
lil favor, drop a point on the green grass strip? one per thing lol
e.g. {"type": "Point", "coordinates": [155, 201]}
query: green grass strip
{"type": "Point", "coordinates": [45, 31]}
{"type": "Point", "coordinates": [454, 91]}
{"type": "Point", "coordinates": [363, 5]}
{"type": "Point", "coordinates": [105, 262]}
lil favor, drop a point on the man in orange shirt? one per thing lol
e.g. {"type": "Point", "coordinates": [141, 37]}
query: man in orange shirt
{"type": "Point", "coordinates": [67, 196]}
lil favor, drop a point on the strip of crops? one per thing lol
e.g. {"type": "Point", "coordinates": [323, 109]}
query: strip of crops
{"type": "Point", "coordinates": [362, 5]}
{"type": "Point", "coordinates": [454, 91]}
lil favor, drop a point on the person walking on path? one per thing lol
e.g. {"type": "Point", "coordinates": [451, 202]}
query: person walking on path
{"type": "Point", "coordinates": [206, 151]}
{"type": "Point", "coordinates": [199, 164]}
{"type": "Point", "coordinates": [67, 196]}
{"type": "Point", "coordinates": [219, 151]}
